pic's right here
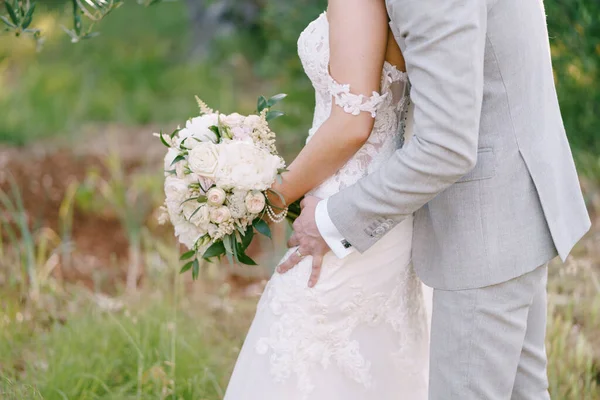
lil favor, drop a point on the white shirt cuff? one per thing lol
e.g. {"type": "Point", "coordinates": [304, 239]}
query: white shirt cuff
{"type": "Point", "coordinates": [330, 233]}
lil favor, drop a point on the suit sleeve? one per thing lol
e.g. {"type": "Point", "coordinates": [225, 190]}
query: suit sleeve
{"type": "Point", "coordinates": [444, 53]}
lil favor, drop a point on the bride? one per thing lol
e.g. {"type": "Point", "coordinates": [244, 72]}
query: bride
{"type": "Point", "coordinates": [361, 332]}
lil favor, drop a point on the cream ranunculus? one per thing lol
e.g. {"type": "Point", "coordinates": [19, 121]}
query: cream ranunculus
{"type": "Point", "coordinates": [220, 214]}
{"type": "Point", "coordinates": [244, 166]}
{"type": "Point", "coordinates": [203, 159]}
{"type": "Point", "coordinates": [216, 196]}
{"type": "Point", "coordinates": [255, 202]}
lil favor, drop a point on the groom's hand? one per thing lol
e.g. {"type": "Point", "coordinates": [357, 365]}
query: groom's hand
{"type": "Point", "coordinates": [307, 236]}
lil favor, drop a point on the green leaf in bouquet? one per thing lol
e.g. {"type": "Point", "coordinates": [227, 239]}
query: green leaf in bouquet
{"type": "Point", "coordinates": [187, 255]}
{"type": "Point", "coordinates": [186, 267]}
{"type": "Point", "coordinates": [195, 269]}
{"type": "Point", "coordinates": [261, 104]}
{"type": "Point", "coordinates": [272, 114]}
{"type": "Point", "coordinates": [215, 130]}
{"type": "Point", "coordinates": [217, 249]}
{"type": "Point", "coordinates": [171, 172]}
{"type": "Point", "coordinates": [247, 239]}
{"type": "Point", "coordinates": [242, 257]}
{"type": "Point", "coordinates": [175, 132]}
{"type": "Point", "coordinates": [262, 227]}
{"type": "Point", "coordinates": [229, 248]}
{"type": "Point", "coordinates": [162, 139]}
{"type": "Point", "coordinates": [276, 99]}
{"type": "Point", "coordinates": [177, 159]}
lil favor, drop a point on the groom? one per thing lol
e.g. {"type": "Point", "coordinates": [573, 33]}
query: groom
{"type": "Point", "coordinates": [490, 177]}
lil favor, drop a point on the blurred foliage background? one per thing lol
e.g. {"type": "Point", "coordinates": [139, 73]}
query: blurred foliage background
{"type": "Point", "coordinates": [92, 305]}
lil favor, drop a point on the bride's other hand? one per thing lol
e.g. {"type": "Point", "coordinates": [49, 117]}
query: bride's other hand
{"type": "Point", "coordinates": [309, 241]}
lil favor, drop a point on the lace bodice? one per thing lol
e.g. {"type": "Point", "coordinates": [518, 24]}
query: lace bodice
{"type": "Point", "coordinates": [388, 107]}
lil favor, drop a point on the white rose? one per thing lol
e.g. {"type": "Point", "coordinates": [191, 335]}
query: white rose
{"type": "Point", "coordinates": [243, 166]}
{"type": "Point", "coordinates": [216, 196]}
{"type": "Point", "coordinates": [255, 202]}
{"type": "Point", "coordinates": [176, 192]}
{"type": "Point", "coordinates": [220, 214]}
{"type": "Point", "coordinates": [203, 159]}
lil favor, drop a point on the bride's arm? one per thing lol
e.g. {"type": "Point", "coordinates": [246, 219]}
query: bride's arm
{"type": "Point", "coordinates": [357, 40]}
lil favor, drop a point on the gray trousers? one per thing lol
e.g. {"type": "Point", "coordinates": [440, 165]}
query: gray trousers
{"type": "Point", "coordinates": [488, 343]}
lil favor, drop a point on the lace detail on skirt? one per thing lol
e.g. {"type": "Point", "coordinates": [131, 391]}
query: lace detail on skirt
{"type": "Point", "coordinates": [309, 330]}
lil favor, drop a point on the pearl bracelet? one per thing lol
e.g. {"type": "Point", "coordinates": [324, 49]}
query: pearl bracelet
{"type": "Point", "coordinates": [276, 218]}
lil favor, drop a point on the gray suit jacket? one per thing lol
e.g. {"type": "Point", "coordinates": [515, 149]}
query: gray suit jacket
{"type": "Point", "coordinates": [489, 171]}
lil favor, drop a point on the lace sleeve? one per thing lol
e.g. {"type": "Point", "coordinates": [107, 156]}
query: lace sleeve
{"type": "Point", "coordinates": [354, 103]}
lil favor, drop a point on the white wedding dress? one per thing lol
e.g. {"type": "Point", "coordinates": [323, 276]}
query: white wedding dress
{"type": "Point", "coordinates": [361, 333]}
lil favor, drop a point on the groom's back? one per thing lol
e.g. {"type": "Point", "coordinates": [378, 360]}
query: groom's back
{"type": "Point", "coordinates": [522, 203]}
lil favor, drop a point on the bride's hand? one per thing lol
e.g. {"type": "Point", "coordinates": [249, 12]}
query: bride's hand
{"type": "Point", "coordinates": [307, 236]}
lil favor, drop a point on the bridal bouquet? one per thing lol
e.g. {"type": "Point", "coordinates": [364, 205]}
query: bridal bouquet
{"type": "Point", "coordinates": [218, 171]}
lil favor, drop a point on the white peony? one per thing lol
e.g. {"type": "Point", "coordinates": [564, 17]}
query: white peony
{"type": "Point", "coordinates": [243, 166]}
{"type": "Point", "coordinates": [255, 202]}
{"type": "Point", "coordinates": [197, 130]}
{"type": "Point", "coordinates": [176, 192]}
{"type": "Point", "coordinates": [216, 196]}
{"type": "Point", "coordinates": [188, 233]}
{"type": "Point", "coordinates": [203, 159]}
{"type": "Point", "coordinates": [197, 214]}
{"type": "Point", "coordinates": [169, 157]}
{"type": "Point", "coordinates": [252, 121]}
{"type": "Point", "coordinates": [233, 120]}
{"type": "Point", "coordinates": [220, 214]}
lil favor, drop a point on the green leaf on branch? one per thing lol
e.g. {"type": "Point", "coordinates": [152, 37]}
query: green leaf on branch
{"type": "Point", "coordinates": [276, 99]}
{"type": "Point", "coordinates": [262, 227]}
{"type": "Point", "coordinates": [11, 13]}
{"type": "Point", "coordinates": [7, 22]}
{"type": "Point", "coordinates": [272, 114]}
{"type": "Point", "coordinates": [261, 104]}
{"type": "Point", "coordinates": [187, 255]}
{"type": "Point", "coordinates": [28, 16]}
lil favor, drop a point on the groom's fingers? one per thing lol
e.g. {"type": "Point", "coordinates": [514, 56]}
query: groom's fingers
{"type": "Point", "coordinates": [316, 271]}
{"type": "Point", "coordinates": [289, 263]}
